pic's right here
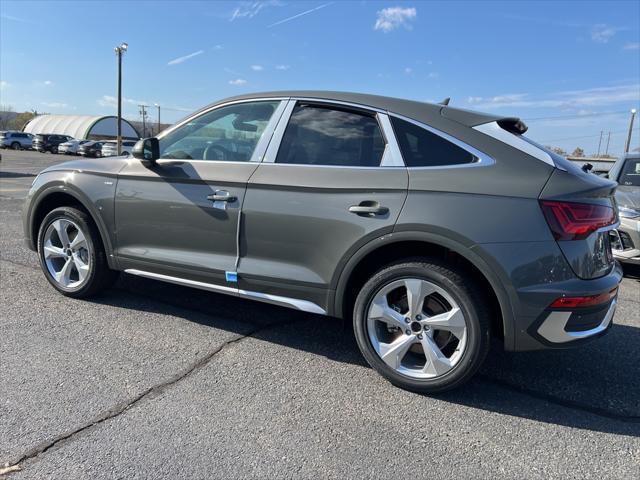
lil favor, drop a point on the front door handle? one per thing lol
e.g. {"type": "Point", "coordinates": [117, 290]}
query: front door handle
{"type": "Point", "coordinates": [368, 208]}
{"type": "Point", "coordinates": [221, 196]}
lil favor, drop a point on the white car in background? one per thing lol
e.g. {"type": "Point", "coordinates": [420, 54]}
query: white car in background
{"type": "Point", "coordinates": [110, 148]}
{"type": "Point", "coordinates": [71, 147]}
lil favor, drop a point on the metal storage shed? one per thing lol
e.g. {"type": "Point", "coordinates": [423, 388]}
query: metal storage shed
{"type": "Point", "coordinates": [81, 126]}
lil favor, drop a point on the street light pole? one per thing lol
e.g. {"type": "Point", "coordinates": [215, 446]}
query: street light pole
{"type": "Point", "coordinates": [627, 145]}
{"type": "Point", "coordinates": [157, 105]}
{"type": "Point", "coordinates": [119, 51]}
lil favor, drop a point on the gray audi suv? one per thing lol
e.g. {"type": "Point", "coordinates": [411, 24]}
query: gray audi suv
{"type": "Point", "coordinates": [433, 228]}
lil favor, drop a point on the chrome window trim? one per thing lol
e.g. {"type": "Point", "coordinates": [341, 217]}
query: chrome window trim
{"type": "Point", "coordinates": [276, 138]}
{"type": "Point", "coordinates": [484, 160]}
{"type": "Point", "coordinates": [392, 156]}
{"type": "Point", "coordinates": [493, 130]}
{"type": "Point", "coordinates": [304, 305]}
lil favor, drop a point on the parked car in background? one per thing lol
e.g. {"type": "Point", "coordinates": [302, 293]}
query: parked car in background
{"type": "Point", "coordinates": [71, 147]}
{"type": "Point", "coordinates": [625, 240]}
{"type": "Point", "coordinates": [110, 148]}
{"type": "Point", "coordinates": [48, 142]}
{"type": "Point", "coordinates": [91, 149]}
{"type": "Point", "coordinates": [433, 228]}
{"type": "Point", "coordinates": [16, 140]}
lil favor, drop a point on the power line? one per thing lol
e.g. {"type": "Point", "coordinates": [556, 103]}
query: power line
{"type": "Point", "coordinates": [596, 114]}
{"type": "Point", "coordinates": [618, 132]}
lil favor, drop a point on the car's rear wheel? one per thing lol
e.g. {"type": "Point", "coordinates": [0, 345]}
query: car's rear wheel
{"type": "Point", "coordinates": [54, 149]}
{"type": "Point", "coordinates": [71, 253]}
{"type": "Point", "coordinates": [15, 146]}
{"type": "Point", "coordinates": [422, 325]}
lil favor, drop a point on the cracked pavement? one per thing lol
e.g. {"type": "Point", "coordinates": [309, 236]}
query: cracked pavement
{"type": "Point", "coordinates": [151, 379]}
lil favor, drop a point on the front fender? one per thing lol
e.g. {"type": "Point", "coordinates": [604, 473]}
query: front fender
{"type": "Point", "coordinates": [94, 191]}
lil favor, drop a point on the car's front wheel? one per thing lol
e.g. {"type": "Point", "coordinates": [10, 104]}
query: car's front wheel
{"type": "Point", "coordinates": [71, 253]}
{"type": "Point", "coordinates": [15, 146]}
{"type": "Point", "coordinates": [422, 325]}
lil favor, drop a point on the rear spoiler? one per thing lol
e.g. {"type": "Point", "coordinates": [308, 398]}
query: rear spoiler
{"type": "Point", "coordinates": [472, 119]}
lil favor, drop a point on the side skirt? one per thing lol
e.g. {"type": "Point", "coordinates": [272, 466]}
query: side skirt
{"type": "Point", "coordinates": [294, 303]}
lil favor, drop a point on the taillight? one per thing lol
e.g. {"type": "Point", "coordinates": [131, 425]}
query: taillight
{"type": "Point", "coordinates": [575, 221]}
{"type": "Point", "coordinates": [582, 302]}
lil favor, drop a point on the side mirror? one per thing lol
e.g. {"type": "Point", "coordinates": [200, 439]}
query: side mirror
{"type": "Point", "coordinates": [147, 150]}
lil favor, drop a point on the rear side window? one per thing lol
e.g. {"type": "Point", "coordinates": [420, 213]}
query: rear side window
{"type": "Point", "coordinates": [320, 135]}
{"type": "Point", "coordinates": [422, 148]}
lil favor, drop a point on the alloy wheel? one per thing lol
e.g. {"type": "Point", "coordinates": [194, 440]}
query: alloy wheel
{"type": "Point", "coordinates": [67, 253]}
{"type": "Point", "coordinates": [416, 328]}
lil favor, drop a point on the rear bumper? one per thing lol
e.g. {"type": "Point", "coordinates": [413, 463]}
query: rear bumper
{"type": "Point", "coordinates": [561, 328]}
{"type": "Point", "coordinates": [534, 275]}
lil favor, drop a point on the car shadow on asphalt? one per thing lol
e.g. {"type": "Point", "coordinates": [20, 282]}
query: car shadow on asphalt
{"type": "Point", "coordinates": [593, 387]}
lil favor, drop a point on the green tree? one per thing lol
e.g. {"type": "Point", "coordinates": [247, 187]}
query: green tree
{"type": "Point", "coordinates": [20, 120]}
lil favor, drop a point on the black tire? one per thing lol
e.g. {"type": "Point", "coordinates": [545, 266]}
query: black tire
{"type": "Point", "coordinates": [463, 290]}
{"type": "Point", "coordinates": [54, 150]}
{"type": "Point", "coordinates": [100, 276]}
{"type": "Point", "coordinates": [15, 146]}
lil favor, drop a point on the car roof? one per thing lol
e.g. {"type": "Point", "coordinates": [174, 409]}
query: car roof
{"type": "Point", "coordinates": [422, 111]}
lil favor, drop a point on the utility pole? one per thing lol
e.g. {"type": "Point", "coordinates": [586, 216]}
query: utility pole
{"type": "Point", "coordinates": [627, 145]}
{"type": "Point", "coordinates": [119, 51]}
{"type": "Point", "coordinates": [158, 105]}
{"type": "Point", "coordinates": [143, 112]}
{"type": "Point", "coordinates": [599, 144]}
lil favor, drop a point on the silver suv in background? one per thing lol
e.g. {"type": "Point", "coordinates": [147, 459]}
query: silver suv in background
{"type": "Point", "coordinates": [110, 148]}
{"type": "Point", "coordinates": [16, 140]}
{"type": "Point", "coordinates": [625, 240]}
{"type": "Point", "coordinates": [432, 228]}
{"type": "Point", "coordinates": [71, 147]}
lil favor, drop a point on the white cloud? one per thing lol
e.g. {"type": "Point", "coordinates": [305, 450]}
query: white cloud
{"type": "Point", "coordinates": [590, 97]}
{"type": "Point", "coordinates": [47, 82]}
{"type": "Point", "coordinates": [282, 67]}
{"type": "Point", "coordinates": [408, 70]}
{"type": "Point", "coordinates": [257, 68]}
{"type": "Point", "coordinates": [178, 60]}
{"type": "Point", "coordinates": [306, 12]}
{"type": "Point", "coordinates": [237, 81]}
{"type": "Point", "coordinates": [632, 46]}
{"type": "Point", "coordinates": [394, 17]}
{"type": "Point", "coordinates": [433, 75]}
{"type": "Point", "coordinates": [218, 47]}
{"type": "Point", "coordinates": [251, 9]}
{"type": "Point", "coordinates": [4, 84]}
{"type": "Point", "coordinates": [55, 104]}
{"type": "Point", "coordinates": [602, 33]}
{"type": "Point", "coordinates": [111, 101]}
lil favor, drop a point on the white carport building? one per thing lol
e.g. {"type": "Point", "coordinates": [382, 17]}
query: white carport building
{"type": "Point", "coordinates": [81, 127]}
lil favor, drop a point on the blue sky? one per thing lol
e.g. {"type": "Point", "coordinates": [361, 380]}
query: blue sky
{"type": "Point", "coordinates": [578, 62]}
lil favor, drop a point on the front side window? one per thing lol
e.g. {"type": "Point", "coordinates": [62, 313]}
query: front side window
{"type": "Point", "coordinates": [320, 135]}
{"type": "Point", "coordinates": [422, 148]}
{"type": "Point", "coordinates": [225, 134]}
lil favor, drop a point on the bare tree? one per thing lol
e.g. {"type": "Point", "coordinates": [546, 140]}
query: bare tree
{"type": "Point", "coordinates": [6, 116]}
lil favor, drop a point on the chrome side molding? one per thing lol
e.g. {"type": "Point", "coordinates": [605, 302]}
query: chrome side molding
{"type": "Point", "coordinates": [295, 303]}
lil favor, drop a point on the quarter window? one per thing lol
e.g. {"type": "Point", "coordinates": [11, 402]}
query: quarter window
{"type": "Point", "coordinates": [320, 135]}
{"type": "Point", "coordinates": [422, 148]}
{"type": "Point", "coordinates": [225, 134]}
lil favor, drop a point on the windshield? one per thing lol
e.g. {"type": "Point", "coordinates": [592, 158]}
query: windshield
{"type": "Point", "coordinates": [630, 174]}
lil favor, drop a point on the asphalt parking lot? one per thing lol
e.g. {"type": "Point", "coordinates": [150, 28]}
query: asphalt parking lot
{"type": "Point", "coordinates": [151, 379]}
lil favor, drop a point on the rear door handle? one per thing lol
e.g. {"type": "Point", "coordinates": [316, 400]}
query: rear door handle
{"type": "Point", "coordinates": [368, 208]}
{"type": "Point", "coordinates": [221, 196]}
